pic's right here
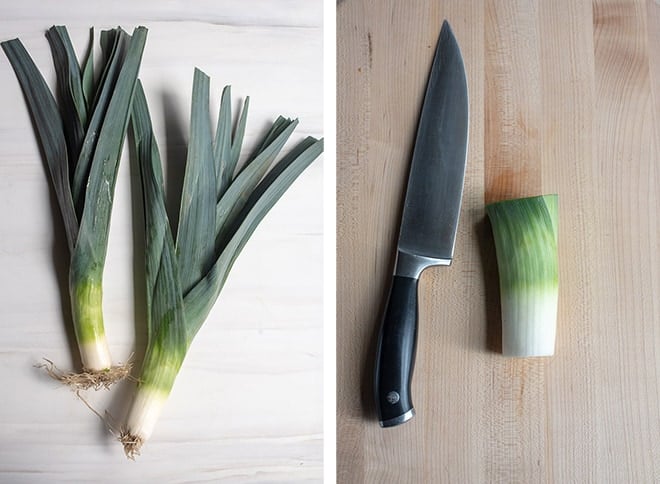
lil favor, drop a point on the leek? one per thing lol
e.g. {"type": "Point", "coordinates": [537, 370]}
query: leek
{"type": "Point", "coordinates": [525, 233]}
{"type": "Point", "coordinates": [220, 208]}
{"type": "Point", "coordinates": [82, 141]}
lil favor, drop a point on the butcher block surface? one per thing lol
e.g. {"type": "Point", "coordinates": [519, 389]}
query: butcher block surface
{"type": "Point", "coordinates": [564, 98]}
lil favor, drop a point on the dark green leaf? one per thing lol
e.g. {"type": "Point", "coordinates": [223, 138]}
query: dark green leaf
{"type": "Point", "coordinates": [89, 255]}
{"type": "Point", "coordinates": [164, 296]}
{"type": "Point", "coordinates": [199, 301]}
{"type": "Point", "coordinates": [103, 97]}
{"type": "Point", "coordinates": [88, 74]}
{"type": "Point", "coordinates": [48, 124]}
{"type": "Point", "coordinates": [69, 82]}
{"type": "Point", "coordinates": [222, 144]}
{"type": "Point", "coordinates": [237, 141]}
{"type": "Point", "coordinates": [238, 192]}
{"type": "Point", "coordinates": [195, 237]}
{"type": "Point", "coordinates": [276, 128]}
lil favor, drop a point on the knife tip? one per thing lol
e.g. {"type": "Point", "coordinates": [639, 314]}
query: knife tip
{"type": "Point", "coordinates": [446, 34]}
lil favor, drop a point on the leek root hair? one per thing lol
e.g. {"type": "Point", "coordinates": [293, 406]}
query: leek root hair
{"type": "Point", "coordinates": [96, 379]}
{"type": "Point", "coordinates": [132, 444]}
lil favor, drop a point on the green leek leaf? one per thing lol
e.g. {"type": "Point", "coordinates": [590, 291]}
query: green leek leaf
{"type": "Point", "coordinates": [165, 316]}
{"type": "Point", "coordinates": [238, 192]}
{"type": "Point", "coordinates": [200, 300]}
{"type": "Point", "coordinates": [280, 124]}
{"type": "Point", "coordinates": [222, 144]}
{"type": "Point", "coordinates": [89, 256]}
{"type": "Point", "coordinates": [88, 74]}
{"type": "Point", "coordinates": [72, 101]}
{"type": "Point", "coordinates": [196, 232]}
{"type": "Point", "coordinates": [46, 117]}
{"type": "Point", "coordinates": [107, 85]}
{"type": "Point", "coordinates": [237, 140]}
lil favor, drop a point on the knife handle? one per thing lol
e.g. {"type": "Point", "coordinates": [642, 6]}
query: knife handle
{"type": "Point", "coordinates": [395, 358]}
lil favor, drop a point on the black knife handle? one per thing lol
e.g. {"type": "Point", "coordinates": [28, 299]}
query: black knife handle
{"type": "Point", "coordinates": [395, 358]}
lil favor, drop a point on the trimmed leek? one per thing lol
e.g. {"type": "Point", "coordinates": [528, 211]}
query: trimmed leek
{"type": "Point", "coordinates": [220, 209]}
{"type": "Point", "coordinates": [525, 232]}
{"type": "Point", "coordinates": [82, 141]}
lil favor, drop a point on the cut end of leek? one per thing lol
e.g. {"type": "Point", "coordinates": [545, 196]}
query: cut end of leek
{"type": "Point", "coordinates": [525, 233]}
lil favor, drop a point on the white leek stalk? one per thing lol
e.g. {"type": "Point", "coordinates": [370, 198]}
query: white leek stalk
{"type": "Point", "coordinates": [82, 141]}
{"type": "Point", "coordinates": [525, 232]}
{"type": "Point", "coordinates": [221, 207]}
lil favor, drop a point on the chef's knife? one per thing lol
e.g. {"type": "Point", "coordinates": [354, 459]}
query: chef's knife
{"type": "Point", "coordinates": [428, 226]}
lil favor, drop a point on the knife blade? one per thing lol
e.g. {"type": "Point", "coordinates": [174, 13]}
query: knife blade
{"type": "Point", "coordinates": [428, 225]}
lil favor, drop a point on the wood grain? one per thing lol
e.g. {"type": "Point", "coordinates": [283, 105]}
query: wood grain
{"type": "Point", "coordinates": [564, 98]}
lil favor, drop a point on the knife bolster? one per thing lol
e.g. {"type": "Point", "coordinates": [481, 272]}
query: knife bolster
{"type": "Point", "coordinates": [411, 265]}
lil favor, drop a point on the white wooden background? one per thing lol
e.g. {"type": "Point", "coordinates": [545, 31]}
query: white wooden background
{"type": "Point", "coordinates": [247, 406]}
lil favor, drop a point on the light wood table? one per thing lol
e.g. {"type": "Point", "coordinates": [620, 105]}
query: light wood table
{"type": "Point", "coordinates": [247, 404]}
{"type": "Point", "coordinates": [564, 98]}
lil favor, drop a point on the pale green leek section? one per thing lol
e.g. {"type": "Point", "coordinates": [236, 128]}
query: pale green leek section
{"type": "Point", "coordinates": [161, 365]}
{"type": "Point", "coordinates": [525, 233]}
{"type": "Point", "coordinates": [87, 307]}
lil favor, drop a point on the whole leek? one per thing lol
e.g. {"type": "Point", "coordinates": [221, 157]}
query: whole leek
{"type": "Point", "coordinates": [82, 141]}
{"type": "Point", "coordinates": [525, 232]}
{"type": "Point", "coordinates": [220, 208]}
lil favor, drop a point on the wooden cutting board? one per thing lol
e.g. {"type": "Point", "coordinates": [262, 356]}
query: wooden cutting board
{"type": "Point", "coordinates": [564, 98]}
